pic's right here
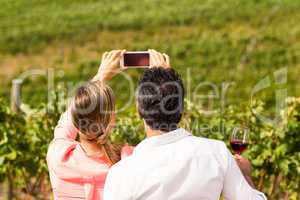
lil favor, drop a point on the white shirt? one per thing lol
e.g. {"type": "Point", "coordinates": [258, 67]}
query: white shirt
{"type": "Point", "coordinates": [178, 166]}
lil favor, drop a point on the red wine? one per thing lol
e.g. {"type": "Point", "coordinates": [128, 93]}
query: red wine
{"type": "Point", "coordinates": [238, 146]}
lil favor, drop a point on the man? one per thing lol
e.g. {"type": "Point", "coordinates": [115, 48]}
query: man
{"type": "Point", "coordinates": [171, 164]}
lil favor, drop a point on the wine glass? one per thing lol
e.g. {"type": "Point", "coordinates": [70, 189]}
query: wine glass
{"type": "Point", "coordinates": [239, 139]}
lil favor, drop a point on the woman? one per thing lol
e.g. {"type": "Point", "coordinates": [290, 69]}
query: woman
{"type": "Point", "coordinates": [78, 169]}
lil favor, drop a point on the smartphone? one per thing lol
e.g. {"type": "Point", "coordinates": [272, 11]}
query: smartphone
{"type": "Point", "coordinates": [135, 59]}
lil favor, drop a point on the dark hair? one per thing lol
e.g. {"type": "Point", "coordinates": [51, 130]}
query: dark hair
{"type": "Point", "coordinates": [160, 98]}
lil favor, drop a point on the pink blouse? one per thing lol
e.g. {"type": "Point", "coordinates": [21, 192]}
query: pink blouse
{"type": "Point", "coordinates": [73, 173]}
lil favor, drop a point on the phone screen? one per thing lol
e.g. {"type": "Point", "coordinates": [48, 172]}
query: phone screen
{"type": "Point", "coordinates": [136, 59]}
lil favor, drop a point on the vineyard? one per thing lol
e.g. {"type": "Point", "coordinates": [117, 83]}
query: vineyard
{"type": "Point", "coordinates": [274, 152]}
{"type": "Point", "coordinates": [239, 60]}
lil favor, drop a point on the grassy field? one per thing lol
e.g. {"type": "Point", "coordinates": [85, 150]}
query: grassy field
{"type": "Point", "coordinates": [237, 42]}
{"type": "Point", "coordinates": [25, 24]}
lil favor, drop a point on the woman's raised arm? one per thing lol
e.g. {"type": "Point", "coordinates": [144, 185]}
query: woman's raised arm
{"type": "Point", "coordinates": [110, 65]}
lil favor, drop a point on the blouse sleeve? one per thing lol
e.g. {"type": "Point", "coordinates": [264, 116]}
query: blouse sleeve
{"type": "Point", "coordinates": [65, 128]}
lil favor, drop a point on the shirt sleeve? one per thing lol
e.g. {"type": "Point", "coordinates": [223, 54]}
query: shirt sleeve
{"type": "Point", "coordinates": [235, 185]}
{"type": "Point", "coordinates": [119, 182]}
{"type": "Point", "coordinates": [112, 186]}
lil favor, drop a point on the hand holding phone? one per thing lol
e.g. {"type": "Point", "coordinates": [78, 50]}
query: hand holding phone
{"type": "Point", "coordinates": [110, 65]}
{"type": "Point", "coordinates": [158, 59]}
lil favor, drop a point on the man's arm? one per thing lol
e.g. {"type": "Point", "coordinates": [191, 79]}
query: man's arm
{"type": "Point", "coordinates": [246, 168]}
{"type": "Point", "coordinates": [236, 185]}
{"type": "Point", "coordinates": [114, 188]}
{"type": "Point", "coordinates": [110, 188]}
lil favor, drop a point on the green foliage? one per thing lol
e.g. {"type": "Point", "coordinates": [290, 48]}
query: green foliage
{"type": "Point", "coordinates": [12, 144]}
{"type": "Point", "coordinates": [24, 140]}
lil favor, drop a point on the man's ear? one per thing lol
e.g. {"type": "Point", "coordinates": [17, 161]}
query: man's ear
{"type": "Point", "coordinates": [146, 126]}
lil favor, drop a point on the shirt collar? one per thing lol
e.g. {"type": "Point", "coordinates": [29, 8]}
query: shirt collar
{"type": "Point", "coordinates": [162, 139]}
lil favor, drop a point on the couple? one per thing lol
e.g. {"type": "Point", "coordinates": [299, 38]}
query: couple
{"type": "Point", "coordinates": [170, 164]}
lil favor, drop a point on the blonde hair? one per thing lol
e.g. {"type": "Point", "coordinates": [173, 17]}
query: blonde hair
{"type": "Point", "coordinates": [92, 111]}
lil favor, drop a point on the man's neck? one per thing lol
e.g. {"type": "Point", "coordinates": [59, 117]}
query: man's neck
{"type": "Point", "coordinates": [151, 132]}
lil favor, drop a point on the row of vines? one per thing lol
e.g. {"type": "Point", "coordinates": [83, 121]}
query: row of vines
{"type": "Point", "coordinates": [274, 150]}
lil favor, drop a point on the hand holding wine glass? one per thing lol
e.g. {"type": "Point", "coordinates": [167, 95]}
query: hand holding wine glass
{"type": "Point", "coordinates": [239, 139]}
{"type": "Point", "coordinates": [239, 143]}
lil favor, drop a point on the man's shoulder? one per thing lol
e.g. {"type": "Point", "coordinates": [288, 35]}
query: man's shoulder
{"type": "Point", "coordinates": [211, 148]}
{"type": "Point", "coordinates": [123, 165]}
{"type": "Point", "coordinates": [199, 141]}
{"type": "Point", "coordinates": [204, 145]}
